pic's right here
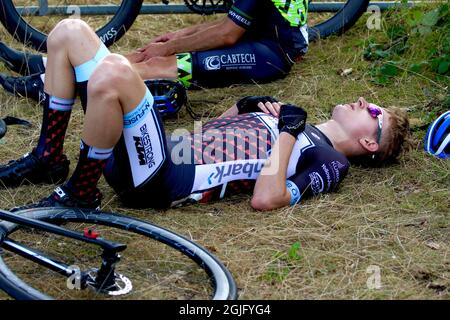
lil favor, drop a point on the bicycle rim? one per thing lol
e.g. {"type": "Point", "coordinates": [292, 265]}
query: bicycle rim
{"type": "Point", "coordinates": [325, 24]}
{"type": "Point", "coordinates": [171, 267]}
{"type": "Point", "coordinates": [208, 7]}
{"type": "Point", "coordinates": [29, 22]}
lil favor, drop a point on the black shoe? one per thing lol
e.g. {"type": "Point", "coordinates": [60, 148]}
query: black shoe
{"type": "Point", "coordinates": [30, 86]}
{"type": "Point", "coordinates": [31, 169]}
{"type": "Point", "coordinates": [21, 62]}
{"type": "Point", "coordinates": [62, 197]}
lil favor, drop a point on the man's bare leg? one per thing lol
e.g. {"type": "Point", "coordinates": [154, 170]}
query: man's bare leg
{"type": "Point", "coordinates": [114, 89]}
{"type": "Point", "coordinates": [73, 45]}
{"type": "Point", "coordinates": [70, 43]}
{"type": "Point", "coordinates": [158, 68]}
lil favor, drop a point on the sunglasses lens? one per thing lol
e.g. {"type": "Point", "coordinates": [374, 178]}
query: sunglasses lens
{"type": "Point", "coordinates": [374, 111]}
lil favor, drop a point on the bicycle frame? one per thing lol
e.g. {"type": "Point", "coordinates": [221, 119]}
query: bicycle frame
{"type": "Point", "coordinates": [105, 275]}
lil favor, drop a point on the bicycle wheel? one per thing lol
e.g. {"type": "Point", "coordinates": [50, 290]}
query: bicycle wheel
{"type": "Point", "coordinates": [157, 263]}
{"type": "Point", "coordinates": [322, 25]}
{"type": "Point", "coordinates": [213, 6]}
{"type": "Point", "coordinates": [32, 29]}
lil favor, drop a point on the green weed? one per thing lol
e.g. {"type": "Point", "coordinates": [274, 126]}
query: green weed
{"type": "Point", "coordinates": [414, 42]}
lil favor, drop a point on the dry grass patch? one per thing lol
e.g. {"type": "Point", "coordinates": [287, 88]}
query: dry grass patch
{"type": "Point", "coordinates": [395, 218]}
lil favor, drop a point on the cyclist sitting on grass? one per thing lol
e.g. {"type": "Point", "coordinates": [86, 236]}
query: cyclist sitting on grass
{"type": "Point", "coordinates": [258, 41]}
{"type": "Point", "coordinates": [259, 145]}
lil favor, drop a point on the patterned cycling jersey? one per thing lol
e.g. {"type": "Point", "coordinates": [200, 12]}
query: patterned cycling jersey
{"type": "Point", "coordinates": [295, 12]}
{"type": "Point", "coordinates": [282, 21]}
{"type": "Point", "coordinates": [229, 153]}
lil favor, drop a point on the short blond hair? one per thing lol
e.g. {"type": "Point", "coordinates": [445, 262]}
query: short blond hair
{"type": "Point", "coordinates": [397, 136]}
{"type": "Point", "coordinates": [395, 139]}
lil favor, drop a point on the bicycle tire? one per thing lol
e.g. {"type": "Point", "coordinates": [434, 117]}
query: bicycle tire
{"type": "Point", "coordinates": [218, 7]}
{"type": "Point", "coordinates": [28, 35]}
{"type": "Point", "coordinates": [222, 280]}
{"type": "Point", "coordinates": [343, 20]}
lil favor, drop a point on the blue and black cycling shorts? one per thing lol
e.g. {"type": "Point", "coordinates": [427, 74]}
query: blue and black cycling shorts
{"type": "Point", "coordinates": [141, 169]}
{"type": "Point", "coordinates": [248, 61]}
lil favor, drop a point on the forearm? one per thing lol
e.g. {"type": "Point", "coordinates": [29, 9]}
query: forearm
{"type": "Point", "coordinates": [215, 36]}
{"type": "Point", "coordinates": [195, 28]}
{"type": "Point", "coordinates": [270, 189]}
{"type": "Point", "coordinates": [233, 111]}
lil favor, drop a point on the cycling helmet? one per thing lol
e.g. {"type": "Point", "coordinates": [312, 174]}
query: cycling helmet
{"type": "Point", "coordinates": [169, 95]}
{"type": "Point", "coordinates": [437, 140]}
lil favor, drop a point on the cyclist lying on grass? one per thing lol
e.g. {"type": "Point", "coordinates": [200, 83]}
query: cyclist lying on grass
{"type": "Point", "coordinates": [258, 41]}
{"type": "Point", "coordinates": [257, 145]}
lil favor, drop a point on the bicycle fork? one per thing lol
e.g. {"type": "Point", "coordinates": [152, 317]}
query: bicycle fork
{"type": "Point", "coordinates": [104, 280]}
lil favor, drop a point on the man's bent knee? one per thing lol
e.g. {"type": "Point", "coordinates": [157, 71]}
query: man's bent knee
{"type": "Point", "coordinates": [110, 74]}
{"type": "Point", "coordinates": [66, 31]}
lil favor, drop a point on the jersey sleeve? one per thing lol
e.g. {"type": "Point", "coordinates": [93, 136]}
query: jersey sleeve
{"type": "Point", "coordinates": [321, 171]}
{"type": "Point", "coordinates": [243, 12]}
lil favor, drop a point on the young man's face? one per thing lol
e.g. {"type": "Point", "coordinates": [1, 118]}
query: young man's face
{"type": "Point", "coordinates": [362, 119]}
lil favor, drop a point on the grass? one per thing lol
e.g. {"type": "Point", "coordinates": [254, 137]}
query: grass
{"type": "Point", "coordinates": [396, 218]}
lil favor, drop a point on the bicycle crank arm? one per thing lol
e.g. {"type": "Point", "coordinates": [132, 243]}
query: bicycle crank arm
{"type": "Point", "coordinates": [106, 245]}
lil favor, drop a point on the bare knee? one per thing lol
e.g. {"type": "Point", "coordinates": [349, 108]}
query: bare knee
{"type": "Point", "coordinates": [112, 74]}
{"type": "Point", "coordinates": [67, 31]}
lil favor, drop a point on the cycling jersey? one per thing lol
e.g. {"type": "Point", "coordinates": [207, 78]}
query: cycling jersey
{"type": "Point", "coordinates": [234, 150]}
{"type": "Point", "coordinates": [276, 35]}
{"type": "Point", "coordinates": [226, 157]}
{"type": "Point", "coordinates": [282, 21]}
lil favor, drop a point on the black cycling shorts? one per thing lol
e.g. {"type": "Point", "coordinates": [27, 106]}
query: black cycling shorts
{"type": "Point", "coordinates": [248, 61]}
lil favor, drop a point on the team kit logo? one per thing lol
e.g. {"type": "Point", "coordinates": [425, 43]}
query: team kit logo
{"type": "Point", "coordinates": [144, 148]}
{"type": "Point", "coordinates": [317, 184]}
{"type": "Point", "coordinates": [242, 170]}
{"type": "Point", "coordinates": [230, 61]}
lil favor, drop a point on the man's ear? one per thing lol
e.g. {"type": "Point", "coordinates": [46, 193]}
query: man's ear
{"type": "Point", "coordinates": [369, 144]}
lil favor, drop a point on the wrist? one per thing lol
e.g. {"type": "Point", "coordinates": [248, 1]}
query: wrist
{"type": "Point", "coordinates": [170, 48]}
{"type": "Point", "coordinates": [287, 137]}
{"type": "Point", "coordinates": [292, 120]}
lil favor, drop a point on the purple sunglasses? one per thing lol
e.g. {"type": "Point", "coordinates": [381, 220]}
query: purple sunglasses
{"type": "Point", "coordinates": [377, 113]}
